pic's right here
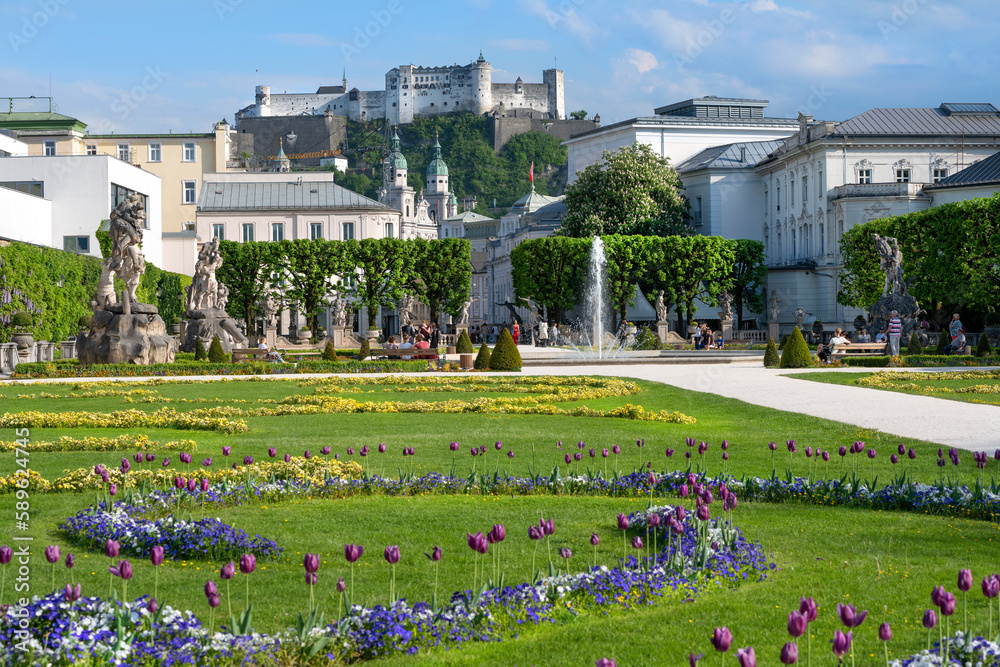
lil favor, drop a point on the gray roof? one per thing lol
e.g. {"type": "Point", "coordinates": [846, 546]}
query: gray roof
{"type": "Point", "coordinates": [729, 156]}
{"type": "Point", "coordinates": [910, 122]}
{"type": "Point", "coordinates": [468, 216]}
{"type": "Point", "coordinates": [271, 196]}
{"type": "Point", "coordinates": [983, 172]}
{"type": "Point", "coordinates": [681, 121]}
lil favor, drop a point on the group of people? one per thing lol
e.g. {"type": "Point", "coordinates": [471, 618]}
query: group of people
{"type": "Point", "coordinates": [490, 333]}
{"type": "Point", "coordinates": [706, 339]}
{"type": "Point", "coordinates": [418, 337]}
{"type": "Point", "coordinates": [892, 336]}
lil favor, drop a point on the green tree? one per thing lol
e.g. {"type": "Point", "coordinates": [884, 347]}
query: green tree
{"type": "Point", "coordinates": [691, 268]}
{"type": "Point", "coordinates": [914, 346]}
{"type": "Point", "coordinates": [578, 115]}
{"type": "Point", "coordinates": [442, 274]}
{"type": "Point", "coordinates": [245, 270]}
{"type": "Point", "coordinates": [983, 348]}
{"type": "Point", "coordinates": [199, 350]}
{"type": "Point", "coordinates": [770, 354]}
{"type": "Point", "coordinates": [329, 353]}
{"type": "Point", "coordinates": [384, 267]}
{"type": "Point", "coordinates": [549, 271]}
{"type": "Point", "coordinates": [464, 344]}
{"type": "Point", "coordinates": [629, 186]}
{"type": "Point", "coordinates": [357, 181]}
{"type": "Point", "coordinates": [748, 278]}
{"type": "Point", "coordinates": [308, 268]}
{"type": "Point", "coordinates": [628, 263]}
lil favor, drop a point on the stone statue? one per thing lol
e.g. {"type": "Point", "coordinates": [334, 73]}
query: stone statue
{"type": "Point", "coordinates": [203, 291]}
{"type": "Point", "coordinates": [340, 312]}
{"type": "Point", "coordinates": [269, 311]}
{"type": "Point", "coordinates": [726, 303]}
{"type": "Point", "coordinates": [222, 297]}
{"type": "Point", "coordinates": [463, 315]}
{"type": "Point", "coordinates": [773, 306]}
{"type": "Point", "coordinates": [661, 308]}
{"type": "Point", "coordinates": [206, 305]}
{"type": "Point", "coordinates": [891, 261]}
{"type": "Point", "coordinates": [406, 308]}
{"type": "Point", "coordinates": [126, 260]}
{"type": "Point", "coordinates": [800, 317]}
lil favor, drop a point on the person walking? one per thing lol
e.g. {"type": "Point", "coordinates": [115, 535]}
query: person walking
{"type": "Point", "coordinates": [435, 337]}
{"type": "Point", "coordinates": [895, 332]}
{"type": "Point", "coordinates": [516, 333]}
{"type": "Point", "coordinates": [543, 333]}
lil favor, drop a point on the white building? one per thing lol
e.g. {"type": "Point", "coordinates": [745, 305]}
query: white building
{"type": "Point", "coordinates": [60, 200]}
{"type": "Point", "coordinates": [413, 91]}
{"type": "Point", "coordinates": [679, 131]}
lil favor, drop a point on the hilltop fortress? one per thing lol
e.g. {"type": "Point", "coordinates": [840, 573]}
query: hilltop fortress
{"type": "Point", "coordinates": [413, 92]}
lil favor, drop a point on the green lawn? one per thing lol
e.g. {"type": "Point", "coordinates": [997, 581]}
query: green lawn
{"type": "Point", "coordinates": [871, 559]}
{"type": "Point", "coordinates": [940, 385]}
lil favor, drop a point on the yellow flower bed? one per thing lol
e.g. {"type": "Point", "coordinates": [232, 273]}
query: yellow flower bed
{"type": "Point", "coordinates": [315, 470]}
{"type": "Point", "coordinates": [906, 381]}
{"type": "Point", "coordinates": [198, 420]}
{"type": "Point", "coordinates": [89, 444]}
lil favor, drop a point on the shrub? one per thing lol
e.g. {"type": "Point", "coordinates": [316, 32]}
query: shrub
{"type": "Point", "coordinates": [199, 351]}
{"type": "Point", "coordinates": [505, 356]}
{"type": "Point", "coordinates": [784, 340]}
{"type": "Point", "coordinates": [646, 339]}
{"type": "Point", "coordinates": [482, 362]}
{"type": "Point", "coordinates": [216, 354]}
{"type": "Point", "coordinates": [464, 344]}
{"type": "Point", "coordinates": [771, 354]}
{"type": "Point", "coordinates": [914, 347]}
{"type": "Point", "coordinates": [983, 349]}
{"type": "Point", "coordinates": [796, 353]}
{"type": "Point", "coordinates": [21, 319]}
{"type": "Point", "coordinates": [943, 340]}
{"type": "Point", "coordinates": [365, 351]}
{"type": "Point", "coordinates": [85, 321]}
{"type": "Point", "coordinates": [329, 353]}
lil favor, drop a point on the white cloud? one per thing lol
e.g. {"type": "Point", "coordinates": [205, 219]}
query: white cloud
{"type": "Point", "coordinates": [643, 61]}
{"type": "Point", "coordinates": [827, 55]}
{"type": "Point", "coordinates": [307, 39]}
{"type": "Point", "coordinates": [520, 44]}
{"type": "Point", "coordinates": [562, 16]}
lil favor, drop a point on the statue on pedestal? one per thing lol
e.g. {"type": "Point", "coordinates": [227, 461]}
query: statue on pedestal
{"type": "Point", "coordinates": [726, 303]}
{"type": "Point", "coordinates": [773, 306]}
{"type": "Point", "coordinates": [661, 308]}
{"type": "Point", "coordinates": [269, 311]}
{"type": "Point", "coordinates": [890, 261]}
{"type": "Point", "coordinates": [463, 315]}
{"type": "Point", "coordinates": [339, 307]}
{"type": "Point", "coordinates": [206, 305]}
{"type": "Point", "coordinates": [800, 317]}
{"type": "Point", "coordinates": [894, 293]}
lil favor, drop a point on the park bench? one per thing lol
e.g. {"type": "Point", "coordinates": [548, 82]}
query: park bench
{"type": "Point", "coordinates": [857, 350]}
{"type": "Point", "coordinates": [239, 354]}
{"type": "Point", "coordinates": [408, 352]}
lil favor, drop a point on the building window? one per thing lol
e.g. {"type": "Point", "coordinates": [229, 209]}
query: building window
{"type": "Point", "coordinates": [91, 149]}
{"type": "Point", "coordinates": [155, 152]}
{"type": "Point", "coordinates": [766, 211]}
{"type": "Point", "coordinates": [219, 232]}
{"type": "Point", "coordinates": [120, 194]}
{"type": "Point", "coordinates": [902, 175]}
{"type": "Point", "coordinates": [697, 211]}
{"type": "Point", "coordinates": [36, 188]}
{"type": "Point", "coordinates": [777, 196]}
{"type": "Point", "coordinates": [939, 175]}
{"type": "Point", "coordinates": [123, 152]}
{"type": "Point", "coordinates": [864, 176]}
{"type": "Point", "coordinates": [190, 196]}
{"type": "Point", "coordinates": [278, 231]}
{"type": "Point", "coordinates": [805, 189]}
{"type": "Point", "coordinates": [791, 193]}
{"type": "Point", "coordinates": [189, 152]}
{"type": "Point", "coordinates": [348, 228]}
{"type": "Point", "coordinates": [50, 148]}
{"type": "Point", "coordinates": [315, 230]}
{"type": "Point", "coordinates": [247, 232]}
{"type": "Point", "coordinates": [76, 244]}
{"type": "Point", "coordinates": [389, 231]}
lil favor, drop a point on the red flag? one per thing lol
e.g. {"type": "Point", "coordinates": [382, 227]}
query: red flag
{"type": "Point", "coordinates": [531, 172]}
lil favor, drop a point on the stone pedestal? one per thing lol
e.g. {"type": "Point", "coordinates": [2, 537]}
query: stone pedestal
{"type": "Point", "coordinates": [8, 358]}
{"type": "Point", "coordinates": [727, 330]}
{"type": "Point", "coordinates": [139, 338]}
{"type": "Point", "coordinates": [342, 337]}
{"type": "Point", "coordinates": [459, 328]}
{"type": "Point", "coordinates": [270, 336]}
{"type": "Point", "coordinates": [773, 332]}
{"type": "Point", "coordinates": [206, 324]}
{"type": "Point", "coordinates": [45, 351]}
{"type": "Point", "coordinates": [662, 330]}
{"type": "Point", "coordinates": [68, 348]}
{"type": "Point", "coordinates": [881, 311]}
{"type": "Point", "coordinates": [372, 336]}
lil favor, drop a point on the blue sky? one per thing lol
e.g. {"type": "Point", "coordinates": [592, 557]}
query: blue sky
{"type": "Point", "coordinates": [156, 66]}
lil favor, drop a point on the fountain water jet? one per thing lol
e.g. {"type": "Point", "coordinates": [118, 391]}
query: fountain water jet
{"type": "Point", "coordinates": [596, 311]}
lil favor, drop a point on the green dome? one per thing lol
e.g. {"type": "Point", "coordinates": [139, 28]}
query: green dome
{"type": "Point", "coordinates": [437, 167]}
{"type": "Point", "coordinates": [396, 158]}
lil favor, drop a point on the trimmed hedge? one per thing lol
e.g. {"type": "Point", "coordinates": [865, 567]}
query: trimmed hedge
{"type": "Point", "coordinates": [983, 349]}
{"type": "Point", "coordinates": [505, 356]}
{"type": "Point", "coordinates": [482, 362]}
{"type": "Point", "coordinates": [918, 360]}
{"type": "Point", "coordinates": [646, 339]}
{"type": "Point", "coordinates": [796, 353]}
{"type": "Point", "coordinates": [69, 370]}
{"type": "Point", "coordinates": [329, 353]}
{"type": "Point", "coordinates": [216, 355]}
{"type": "Point", "coordinates": [365, 351]}
{"type": "Point", "coordinates": [914, 347]}
{"type": "Point", "coordinates": [943, 340]}
{"type": "Point", "coordinates": [464, 344]}
{"type": "Point", "coordinates": [784, 341]}
{"type": "Point", "coordinates": [771, 359]}
{"type": "Point", "coordinates": [199, 351]}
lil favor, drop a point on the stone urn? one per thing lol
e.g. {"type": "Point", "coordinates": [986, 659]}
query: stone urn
{"type": "Point", "coordinates": [303, 335]}
{"type": "Point", "coordinates": [632, 330]}
{"type": "Point", "coordinates": [23, 339]}
{"type": "Point", "coordinates": [692, 329]}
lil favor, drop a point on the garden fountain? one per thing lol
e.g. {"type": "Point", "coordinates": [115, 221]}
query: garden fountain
{"type": "Point", "coordinates": [596, 339]}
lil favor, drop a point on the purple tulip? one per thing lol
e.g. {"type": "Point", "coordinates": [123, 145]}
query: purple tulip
{"type": "Point", "coordinates": [669, 452]}
{"type": "Point", "coordinates": [604, 452]}
{"type": "Point", "coordinates": [930, 619]}
{"type": "Point", "coordinates": [156, 555]}
{"type": "Point", "coordinates": [789, 653]}
{"type": "Point", "coordinates": [606, 662]}
{"type": "Point", "coordinates": [228, 570]}
{"type": "Point", "coordinates": [126, 466]}
{"type": "Point", "coordinates": [703, 513]}
{"type": "Point", "coordinates": [435, 554]}
{"type": "Point", "coordinates": [910, 454]}
{"type": "Point", "coordinates": [849, 616]}
{"type": "Point", "coordinates": [842, 451]}
{"type": "Point", "coordinates": [797, 623]}
{"type": "Point", "coordinates": [214, 601]}
{"type": "Point", "coordinates": [288, 458]}
{"type": "Point", "coordinates": [772, 446]}
{"type": "Point", "coordinates": [498, 533]}
{"type": "Point", "coordinates": [841, 643]}
{"type": "Point", "coordinates": [392, 554]}
{"type": "Point", "coordinates": [325, 450]}
{"type": "Point", "coordinates": [809, 452]}
{"type": "Point", "coordinates": [594, 539]}
{"type": "Point", "coordinates": [248, 460]}
{"type": "Point", "coordinates": [725, 445]}
{"type": "Point", "coordinates": [473, 451]}
{"type": "Point", "coordinates": [568, 458]}
{"type": "Point", "coordinates": [311, 563]}
{"type": "Point", "coordinates": [991, 586]}
{"type": "Point", "coordinates": [566, 553]}
{"type": "Point", "coordinates": [746, 657]}
{"type": "Point", "coordinates": [807, 607]}
{"type": "Point", "coordinates": [964, 580]}
{"type": "Point", "coordinates": [311, 578]}
{"type": "Point", "coordinates": [535, 533]}
{"type": "Point", "coordinates": [616, 449]}
{"type": "Point", "coordinates": [166, 461]}
{"type": "Point", "coordinates": [69, 561]}
{"type": "Point", "coordinates": [272, 452]}
{"type": "Point", "coordinates": [499, 445]}
{"type": "Point", "coordinates": [381, 448]}
{"type": "Point", "coordinates": [52, 554]}
{"type": "Point", "coordinates": [341, 586]}
{"type": "Point", "coordinates": [226, 449]}
{"type": "Point", "coordinates": [683, 491]}
{"type": "Point", "coordinates": [71, 593]}
{"type": "Point", "coordinates": [210, 588]}
{"type": "Point", "coordinates": [693, 659]}
{"type": "Point", "coordinates": [111, 549]}
{"type": "Point", "coordinates": [150, 458]}
{"type": "Point", "coordinates": [722, 639]}
{"type": "Point", "coordinates": [706, 497]}
{"type": "Point", "coordinates": [623, 522]}
{"type": "Point", "coordinates": [884, 632]}
{"type": "Point", "coordinates": [207, 462]}
{"type": "Point", "coordinates": [901, 449]}
{"type": "Point", "coordinates": [578, 456]}
{"type": "Point", "coordinates": [185, 457]}
{"type": "Point", "coordinates": [637, 542]}
{"type": "Point", "coordinates": [138, 457]}
{"type": "Point", "coordinates": [352, 552]}
{"type": "Point", "coordinates": [654, 521]}
{"type": "Point", "coordinates": [477, 543]}
{"type": "Point", "coordinates": [453, 446]}
{"type": "Point", "coordinates": [151, 606]}
{"type": "Point", "coordinates": [893, 459]}
{"type": "Point", "coordinates": [549, 527]}
{"type": "Point", "coordinates": [681, 513]}
{"type": "Point", "coordinates": [947, 604]}
{"type": "Point", "coordinates": [6, 554]}
{"type": "Point", "coordinates": [826, 455]}
{"type": "Point", "coordinates": [113, 489]}
{"type": "Point", "coordinates": [192, 485]}
{"type": "Point", "coordinates": [248, 562]}
{"type": "Point", "coordinates": [687, 455]}
{"type": "Point", "coordinates": [871, 453]}
{"type": "Point", "coordinates": [123, 570]}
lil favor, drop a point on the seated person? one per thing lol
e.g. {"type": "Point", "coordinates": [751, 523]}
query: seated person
{"type": "Point", "coordinates": [880, 337]}
{"type": "Point", "coordinates": [275, 355]}
{"type": "Point", "coordinates": [957, 345]}
{"type": "Point", "coordinates": [406, 345]}
{"type": "Point", "coordinates": [823, 352]}
{"type": "Point", "coordinates": [863, 337]}
{"type": "Point", "coordinates": [262, 344]}
{"type": "Point", "coordinates": [838, 339]}
{"type": "Point", "coordinates": [720, 343]}
{"type": "Point", "coordinates": [391, 344]}
{"type": "Point", "coordinates": [423, 344]}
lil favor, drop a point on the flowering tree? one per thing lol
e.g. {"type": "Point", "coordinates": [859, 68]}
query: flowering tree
{"type": "Point", "coordinates": [622, 193]}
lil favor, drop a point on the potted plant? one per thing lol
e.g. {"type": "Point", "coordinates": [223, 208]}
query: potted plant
{"type": "Point", "coordinates": [860, 322]}
{"type": "Point", "coordinates": [21, 321]}
{"type": "Point", "coordinates": [817, 327]}
{"type": "Point", "coordinates": [175, 325]}
{"type": "Point", "coordinates": [631, 328]}
{"type": "Point", "coordinates": [692, 328]}
{"type": "Point", "coordinates": [84, 323]}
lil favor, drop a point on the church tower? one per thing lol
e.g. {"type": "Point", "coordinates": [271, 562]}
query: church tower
{"type": "Point", "coordinates": [437, 185]}
{"type": "Point", "coordinates": [401, 195]}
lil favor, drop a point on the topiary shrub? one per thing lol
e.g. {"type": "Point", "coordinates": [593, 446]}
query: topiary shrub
{"type": "Point", "coordinates": [796, 353]}
{"type": "Point", "coordinates": [771, 359]}
{"type": "Point", "coordinates": [365, 351]}
{"type": "Point", "coordinates": [464, 344]}
{"type": "Point", "coordinates": [646, 339]}
{"type": "Point", "coordinates": [216, 354]}
{"type": "Point", "coordinates": [20, 319]}
{"type": "Point", "coordinates": [784, 340]}
{"type": "Point", "coordinates": [914, 347]}
{"type": "Point", "coordinates": [505, 356]}
{"type": "Point", "coordinates": [482, 362]}
{"type": "Point", "coordinates": [85, 321]}
{"type": "Point", "coordinates": [983, 348]}
{"type": "Point", "coordinates": [199, 351]}
{"type": "Point", "coordinates": [329, 353]}
{"type": "Point", "coordinates": [942, 343]}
